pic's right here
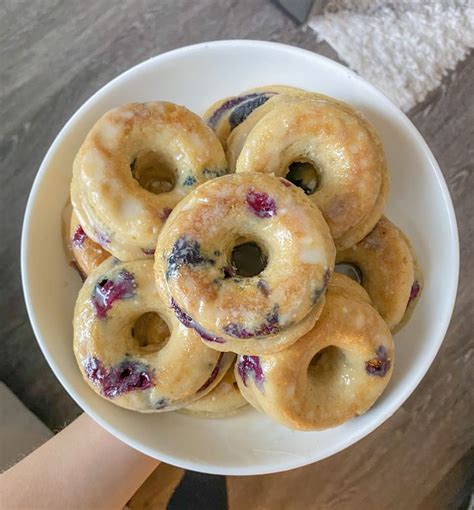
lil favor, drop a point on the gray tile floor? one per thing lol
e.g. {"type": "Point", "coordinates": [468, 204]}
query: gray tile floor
{"type": "Point", "coordinates": [55, 54]}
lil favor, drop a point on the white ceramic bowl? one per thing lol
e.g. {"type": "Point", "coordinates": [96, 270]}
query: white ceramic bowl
{"type": "Point", "coordinates": [196, 76]}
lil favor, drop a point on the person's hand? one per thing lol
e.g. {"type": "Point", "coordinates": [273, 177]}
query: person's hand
{"type": "Point", "coordinates": [81, 467]}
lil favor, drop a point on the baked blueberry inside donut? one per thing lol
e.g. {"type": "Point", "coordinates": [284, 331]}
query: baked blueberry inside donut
{"type": "Point", "coordinates": [110, 289]}
{"type": "Point", "coordinates": [185, 252]}
{"type": "Point", "coordinates": [214, 373]}
{"type": "Point", "coordinates": [189, 322]}
{"type": "Point", "coordinates": [79, 237]}
{"type": "Point", "coordinates": [242, 111]}
{"type": "Point", "coordinates": [234, 102]}
{"type": "Point", "coordinates": [261, 204]}
{"type": "Point", "coordinates": [128, 375]}
{"type": "Point", "coordinates": [379, 365]}
{"type": "Point", "coordinates": [249, 366]}
{"type": "Point", "coordinates": [414, 291]}
{"type": "Point", "coordinates": [270, 326]}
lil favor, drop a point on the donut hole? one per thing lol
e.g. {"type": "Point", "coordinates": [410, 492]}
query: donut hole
{"type": "Point", "coordinates": [150, 331]}
{"type": "Point", "coordinates": [305, 175]}
{"type": "Point", "coordinates": [154, 172]}
{"type": "Point", "coordinates": [326, 365]}
{"type": "Point", "coordinates": [248, 259]}
{"type": "Point", "coordinates": [351, 270]}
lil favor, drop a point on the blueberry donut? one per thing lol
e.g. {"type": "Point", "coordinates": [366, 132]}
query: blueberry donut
{"type": "Point", "coordinates": [226, 114]}
{"type": "Point", "coordinates": [332, 153]}
{"type": "Point", "coordinates": [224, 400]}
{"type": "Point", "coordinates": [249, 310]}
{"type": "Point", "coordinates": [87, 254]}
{"type": "Point", "coordinates": [137, 162]}
{"type": "Point", "coordinates": [333, 373]}
{"type": "Point", "coordinates": [384, 264]}
{"type": "Point", "coordinates": [129, 363]}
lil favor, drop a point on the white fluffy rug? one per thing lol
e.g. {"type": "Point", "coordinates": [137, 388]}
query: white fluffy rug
{"type": "Point", "coordinates": [402, 47]}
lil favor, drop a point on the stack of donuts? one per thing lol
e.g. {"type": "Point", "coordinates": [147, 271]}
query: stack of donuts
{"type": "Point", "coordinates": [242, 258]}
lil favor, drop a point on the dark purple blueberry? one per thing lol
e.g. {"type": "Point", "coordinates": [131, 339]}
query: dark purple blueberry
{"type": "Point", "coordinates": [263, 287]}
{"type": "Point", "coordinates": [261, 204]}
{"type": "Point", "coordinates": [379, 365]}
{"type": "Point", "coordinates": [243, 110]}
{"type": "Point", "coordinates": [148, 251]}
{"type": "Point", "coordinates": [185, 252]}
{"type": "Point", "coordinates": [102, 239]}
{"type": "Point", "coordinates": [415, 290]}
{"type": "Point", "coordinates": [214, 373]}
{"type": "Point", "coordinates": [250, 366]}
{"type": "Point", "coordinates": [107, 291]}
{"type": "Point", "coordinates": [125, 377]}
{"type": "Point", "coordinates": [165, 213]}
{"type": "Point", "coordinates": [271, 326]}
{"type": "Point", "coordinates": [129, 375]}
{"type": "Point", "coordinates": [230, 103]}
{"type": "Point", "coordinates": [318, 292]}
{"type": "Point", "coordinates": [79, 237]}
{"type": "Point", "coordinates": [189, 181]}
{"type": "Point", "coordinates": [181, 315]}
{"type": "Point", "coordinates": [189, 322]}
{"type": "Point", "coordinates": [237, 331]}
{"type": "Point", "coordinates": [95, 370]}
{"type": "Point", "coordinates": [213, 173]}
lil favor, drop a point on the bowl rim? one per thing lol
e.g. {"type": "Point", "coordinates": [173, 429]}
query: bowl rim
{"type": "Point", "coordinates": [401, 395]}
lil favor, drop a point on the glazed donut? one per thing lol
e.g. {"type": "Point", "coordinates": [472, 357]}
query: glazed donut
{"type": "Point", "coordinates": [87, 254]}
{"type": "Point", "coordinates": [340, 149]}
{"type": "Point", "coordinates": [137, 162]}
{"type": "Point", "coordinates": [224, 400]}
{"type": "Point", "coordinates": [142, 370]}
{"type": "Point", "coordinates": [246, 313]}
{"type": "Point", "coordinates": [333, 373]}
{"type": "Point", "coordinates": [386, 268]}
